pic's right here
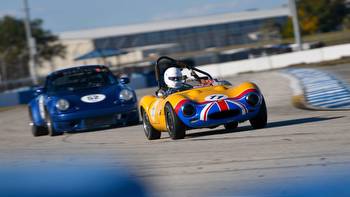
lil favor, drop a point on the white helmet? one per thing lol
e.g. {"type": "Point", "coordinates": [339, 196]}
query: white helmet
{"type": "Point", "coordinates": [173, 77]}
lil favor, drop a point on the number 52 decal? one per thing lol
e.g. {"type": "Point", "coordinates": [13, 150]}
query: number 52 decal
{"type": "Point", "coordinates": [93, 98]}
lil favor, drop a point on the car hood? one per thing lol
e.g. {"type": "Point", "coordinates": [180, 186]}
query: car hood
{"type": "Point", "coordinates": [213, 93]}
{"type": "Point", "coordinates": [99, 97]}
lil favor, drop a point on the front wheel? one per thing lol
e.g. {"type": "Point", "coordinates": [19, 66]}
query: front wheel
{"type": "Point", "coordinates": [176, 129]}
{"type": "Point", "coordinates": [150, 132]}
{"type": "Point", "coordinates": [260, 120]}
{"type": "Point", "coordinates": [36, 130]}
{"type": "Point", "coordinates": [50, 126]}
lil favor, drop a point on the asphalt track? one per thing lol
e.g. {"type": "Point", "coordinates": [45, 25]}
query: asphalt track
{"type": "Point", "coordinates": [295, 145]}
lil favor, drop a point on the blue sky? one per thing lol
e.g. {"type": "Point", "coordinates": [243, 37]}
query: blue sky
{"type": "Point", "coordinates": [67, 15]}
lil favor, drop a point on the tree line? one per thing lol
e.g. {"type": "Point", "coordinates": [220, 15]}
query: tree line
{"type": "Point", "coordinates": [315, 16]}
{"type": "Point", "coordinates": [319, 16]}
{"type": "Point", "coordinates": [14, 53]}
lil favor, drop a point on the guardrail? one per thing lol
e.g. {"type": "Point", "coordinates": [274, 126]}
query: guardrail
{"type": "Point", "coordinates": [278, 61]}
{"type": "Point", "coordinates": [15, 98]}
{"type": "Point", "coordinates": [231, 68]}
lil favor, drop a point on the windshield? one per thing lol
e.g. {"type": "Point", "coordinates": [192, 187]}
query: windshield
{"type": "Point", "coordinates": [194, 79]}
{"type": "Point", "coordinates": [80, 79]}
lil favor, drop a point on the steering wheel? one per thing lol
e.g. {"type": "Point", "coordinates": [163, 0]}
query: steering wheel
{"type": "Point", "coordinates": [187, 85]}
{"type": "Point", "coordinates": [194, 74]}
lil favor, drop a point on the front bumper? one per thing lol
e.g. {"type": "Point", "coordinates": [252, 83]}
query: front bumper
{"type": "Point", "coordinates": [97, 118]}
{"type": "Point", "coordinates": [196, 122]}
{"type": "Point", "coordinates": [217, 113]}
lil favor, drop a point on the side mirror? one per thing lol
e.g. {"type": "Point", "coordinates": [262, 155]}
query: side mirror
{"type": "Point", "coordinates": [160, 93]}
{"type": "Point", "coordinates": [124, 80]}
{"type": "Point", "coordinates": [38, 90]}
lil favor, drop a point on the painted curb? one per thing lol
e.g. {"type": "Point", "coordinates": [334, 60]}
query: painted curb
{"type": "Point", "coordinates": [298, 99]}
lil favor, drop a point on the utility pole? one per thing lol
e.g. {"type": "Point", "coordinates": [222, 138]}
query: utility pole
{"type": "Point", "coordinates": [296, 27]}
{"type": "Point", "coordinates": [31, 44]}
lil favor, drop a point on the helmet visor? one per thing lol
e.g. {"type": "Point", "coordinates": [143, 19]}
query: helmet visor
{"type": "Point", "coordinates": [177, 78]}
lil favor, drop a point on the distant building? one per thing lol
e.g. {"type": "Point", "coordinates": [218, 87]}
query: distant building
{"type": "Point", "coordinates": [168, 37]}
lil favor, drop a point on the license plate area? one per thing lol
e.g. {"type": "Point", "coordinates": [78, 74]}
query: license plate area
{"type": "Point", "coordinates": [99, 121]}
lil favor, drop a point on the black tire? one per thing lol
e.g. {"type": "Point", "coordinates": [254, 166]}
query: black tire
{"type": "Point", "coordinates": [176, 129]}
{"type": "Point", "coordinates": [51, 129]}
{"type": "Point", "coordinates": [150, 132]}
{"type": "Point", "coordinates": [231, 126]}
{"type": "Point", "coordinates": [260, 120]}
{"type": "Point", "coordinates": [37, 130]}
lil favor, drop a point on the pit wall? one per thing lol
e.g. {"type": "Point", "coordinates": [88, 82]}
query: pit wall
{"type": "Point", "coordinates": [231, 68]}
{"type": "Point", "coordinates": [278, 61]}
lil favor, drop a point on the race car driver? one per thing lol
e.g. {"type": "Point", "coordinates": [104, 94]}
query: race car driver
{"type": "Point", "coordinates": [174, 80]}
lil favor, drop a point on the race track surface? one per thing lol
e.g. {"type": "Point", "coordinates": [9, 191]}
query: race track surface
{"type": "Point", "coordinates": [296, 144]}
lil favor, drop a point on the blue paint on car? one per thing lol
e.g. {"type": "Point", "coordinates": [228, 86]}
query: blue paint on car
{"type": "Point", "coordinates": [82, 98]}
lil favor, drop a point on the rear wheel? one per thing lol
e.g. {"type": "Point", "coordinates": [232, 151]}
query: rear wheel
{"type": "Point", "coordinates": [50, 127]}
{"type": "Point", "coordinates": [231, 126]}
{"type": "Point", "coordinates": [260, 120]}
{"type": "Point", "coordinates": [176, 129]}
{"type": "Point", "coordinates": [150, 132]}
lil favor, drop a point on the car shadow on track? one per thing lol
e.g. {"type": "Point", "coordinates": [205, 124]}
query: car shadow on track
{"type": "Point", "coordinates": [282, 123]}
{"type": "Point", "coordinates": [104, 128]}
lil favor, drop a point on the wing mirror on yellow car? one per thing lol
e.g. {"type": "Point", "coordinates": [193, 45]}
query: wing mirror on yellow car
{"type": "Point", "coordinates": [160, 93]}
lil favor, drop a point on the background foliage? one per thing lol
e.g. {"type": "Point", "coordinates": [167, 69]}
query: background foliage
{"type": "Point", "coordinates": [318, 16]}
{"type": "Point", "coordinates": [14, 52]}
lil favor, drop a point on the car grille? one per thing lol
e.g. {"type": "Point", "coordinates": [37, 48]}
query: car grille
{"type": "Point", "coordinates": [99, 121]}
{"type": "Point", "coordinates": [224, 114]}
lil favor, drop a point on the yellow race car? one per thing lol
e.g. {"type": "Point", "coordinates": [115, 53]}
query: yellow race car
{"type": "Point", "coordinates": [193, 99]}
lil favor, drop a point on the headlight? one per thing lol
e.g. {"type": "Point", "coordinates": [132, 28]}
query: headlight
{"type": "Point", "coordinates": [252, 99]}
{"type": "Point", "coordinates": [126, 95]}
{"type": "Point", "coordinates": [62, 104]}
{"type": "Point", "coordinates": [188, 110]}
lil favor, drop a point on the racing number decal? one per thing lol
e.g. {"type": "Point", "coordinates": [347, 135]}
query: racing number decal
{"type": "Point", "coordinates": [215, 97]}
{"type": "Point", "coordinates": [93, 98]}
{"type": "Point", "coordinates": [153, 110]}
{"type": "Point", "coordinates": [156, 110]}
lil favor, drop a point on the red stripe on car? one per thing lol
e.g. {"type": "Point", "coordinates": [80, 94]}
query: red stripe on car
{"type": "Point", "coordinates": [179, 105]}
{"type": "Point", "coordinates": [222, 105]}
{"type": "Point", "coordinates": [206, 111]}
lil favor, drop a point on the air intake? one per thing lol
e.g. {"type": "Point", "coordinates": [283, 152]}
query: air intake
{"type": "Point", "coordinates": [224, 114]}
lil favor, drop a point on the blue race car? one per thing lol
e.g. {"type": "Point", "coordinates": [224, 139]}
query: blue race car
{"type": "Point", "coordinates": [82, 98]}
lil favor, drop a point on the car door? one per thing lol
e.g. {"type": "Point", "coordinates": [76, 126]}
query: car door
{"type": "Point", "coordinates": [155, 110]}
